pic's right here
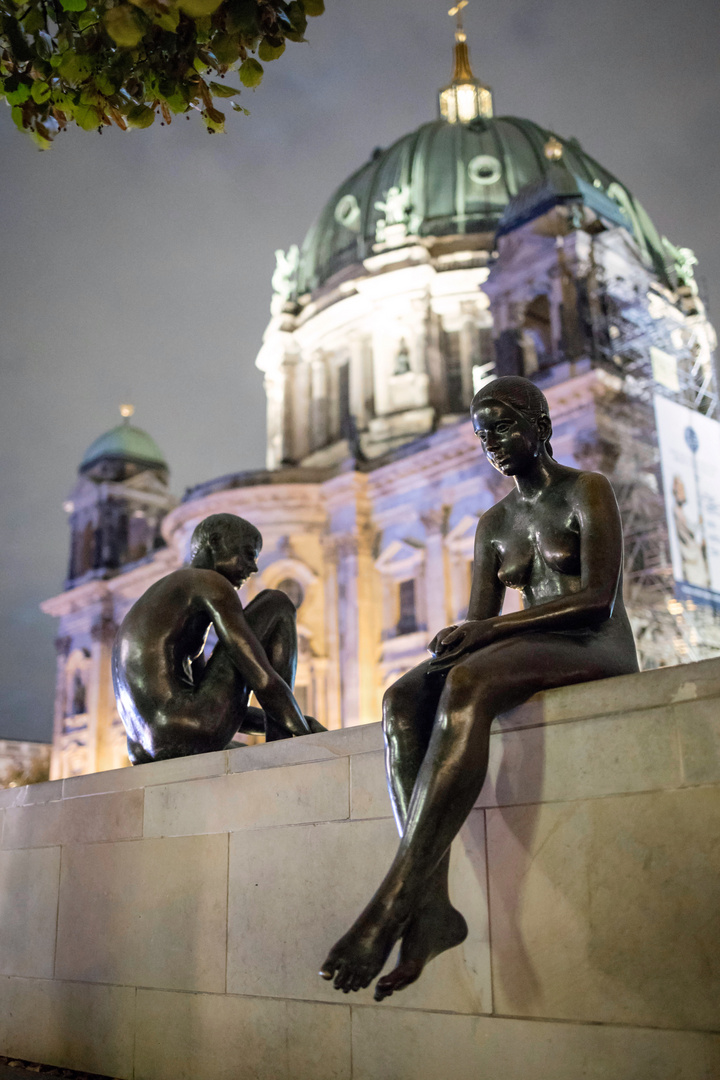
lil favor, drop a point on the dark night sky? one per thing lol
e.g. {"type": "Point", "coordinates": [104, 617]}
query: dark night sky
{"type": "Point", "coordinates": [137, 267]}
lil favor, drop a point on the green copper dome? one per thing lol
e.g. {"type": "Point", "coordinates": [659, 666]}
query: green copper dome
{"type": "Point", "coordinates": [447, 179]}
{"type": "Point", "coordinates": [124, 443]}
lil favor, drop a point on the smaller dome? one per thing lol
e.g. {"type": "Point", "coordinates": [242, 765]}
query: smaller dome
{"type": "Point", "coordinates": [124, 443]}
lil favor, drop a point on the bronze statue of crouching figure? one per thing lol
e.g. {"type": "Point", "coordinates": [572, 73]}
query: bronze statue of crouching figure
{"type": "Point", "coordinates": [174, 703]}
{"type": "Point", "coordinates": [557, 538]}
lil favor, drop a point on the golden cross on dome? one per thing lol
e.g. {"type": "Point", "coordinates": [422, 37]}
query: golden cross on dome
{"type": "Point", "coordinates": [457, 10]}
{"type": "Point", "coordinates": [126, 412]}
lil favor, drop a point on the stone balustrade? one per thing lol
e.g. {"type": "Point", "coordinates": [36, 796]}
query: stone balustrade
{"type": "Point", "coordinates": [166, 922]}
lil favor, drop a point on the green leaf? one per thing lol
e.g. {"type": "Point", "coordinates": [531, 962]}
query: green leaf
{"type": "Point", "coordinates": [140, 116]}
{"type": "Point", "coordinates": [242, 19]}
{"type": "Point", "coordinates": [86, 117]}
{"type": "Point", "coordinates": [197, 8]}
{"type": "Point", "coordinates": [250, 72]}
{"type": "Point", "coordinates": [17, 97]}
{"type": "Point", "coordinates": [226, 49]}
{"type": "Point", "coordinates": [73, 5]}
{"type": "Point", "coordinates": [313, 8]}
{"type": "Point", "coordinates": [214, 120]}
{"type": "Point", "coordinates": [267, 51]}
{"type": "Point", "coordinates": [17, 115]}
{"type": "Point", "coordinates": [40, 141]}
{"type": "Point", "coordinates": [44, 45]}
{"type": "Point", "coordinates": [296, 15]}
{"type": "Point", "coordinates": [168, 20]}
{"type": "Point", "coordinates": [176, 102]}
{"type": "Point", "coordinates": [40, 92]}
{"type": "Point", "coordinates": [74, 69]}
{"type": "Point", "coordinates": [220, 90]}
{"type": "Point", "coordinates": [88, 18]}
{"type": "Point", "coordinates": [33, 21]}
{"type": "Point", "coordinates": [105, 84]}
{"type": "Point", "coordinates": [124, 26]}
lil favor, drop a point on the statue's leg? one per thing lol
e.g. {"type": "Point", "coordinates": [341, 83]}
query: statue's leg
{"type": "Point", "coordinates": [451, 776]}
{"type": "Point", "coordinates": [409, 708]}
{"type": "Point", "coordinates": [273, 619]}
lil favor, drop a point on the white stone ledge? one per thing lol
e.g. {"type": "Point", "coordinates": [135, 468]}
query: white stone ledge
{"type": "Point", "coordinates": [167, 922]}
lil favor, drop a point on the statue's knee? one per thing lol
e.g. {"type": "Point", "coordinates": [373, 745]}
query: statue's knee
{"type": "Point", "coordinates": [281, 603]}
{"type": "Point", "coordinates": [396, 710]}
{"type": "Point", "coordinates": [461, 684]}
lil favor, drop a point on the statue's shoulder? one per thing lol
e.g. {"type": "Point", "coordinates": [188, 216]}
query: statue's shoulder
{"type": "Point", "coordinates": [592, 488]}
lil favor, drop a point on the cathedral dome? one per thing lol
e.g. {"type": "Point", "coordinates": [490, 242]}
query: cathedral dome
{"type": "Point", "coordinates": [450, 179]}
{"type": "Point", "coordinates": [124, 445]}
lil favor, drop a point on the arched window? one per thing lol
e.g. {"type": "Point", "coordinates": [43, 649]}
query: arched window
{"type": "Point", "coordinates": [293, 590]}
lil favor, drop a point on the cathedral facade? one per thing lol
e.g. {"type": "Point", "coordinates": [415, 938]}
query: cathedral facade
{"type": "Point", "coordinates": [473, 247]}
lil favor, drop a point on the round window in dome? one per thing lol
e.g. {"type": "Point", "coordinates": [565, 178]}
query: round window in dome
{"type": "Point", "coordinates": [293, 590]}
{"type": "Point", "coordinates": [347, 212]}
{"type": "Point", "coordinates": [484, 169]}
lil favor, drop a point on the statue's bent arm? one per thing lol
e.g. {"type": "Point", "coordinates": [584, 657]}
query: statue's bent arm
{"type": "Point", "coordinates": [249, 657]}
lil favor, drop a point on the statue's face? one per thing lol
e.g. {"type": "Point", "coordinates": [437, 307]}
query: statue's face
{"type": "Point", "coordinates": [510, 441]}
{"type": "Point", "coordinates": [236, 559]}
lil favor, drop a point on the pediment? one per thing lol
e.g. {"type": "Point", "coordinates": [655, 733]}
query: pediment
{"type": "Point", "coordinates": [400, 558]}
{"type": "Point", "coordinates": [461, 538]}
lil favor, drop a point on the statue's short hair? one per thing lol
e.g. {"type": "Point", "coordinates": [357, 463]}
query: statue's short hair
{"type": "Point", "coordinates": [220, 531]}
{"type": "Point", "coordinates": [520, 394]}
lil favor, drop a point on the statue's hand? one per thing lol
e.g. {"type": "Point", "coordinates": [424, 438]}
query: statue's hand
{"type": "Point", "coordinates": [456, 642]}
{"type": "Point", "coordinates": [438, 642]}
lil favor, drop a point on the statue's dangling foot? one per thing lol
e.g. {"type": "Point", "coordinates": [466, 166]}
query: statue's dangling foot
{"type": "Point", "coordinates": [360, 955]}
{"type": "Point", "coordinates": [435, 929]}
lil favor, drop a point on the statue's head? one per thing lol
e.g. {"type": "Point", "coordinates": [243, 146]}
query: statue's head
{"type": "Point", "coordinates": [226, 543]}
{"type": "Point", "coordinates": [511, 418]}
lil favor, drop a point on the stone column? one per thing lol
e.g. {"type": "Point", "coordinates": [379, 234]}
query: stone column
{"type": "Point", "coordinates": [63, 645]}
{"type": "Point", "coordinates": [100, 695]}
{"type": "Point", "coordinates": [435, 524]}
{"type": "Point", "coordinates": [333, 683]}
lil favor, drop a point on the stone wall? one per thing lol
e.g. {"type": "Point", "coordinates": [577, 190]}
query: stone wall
{"type": "Point", "coordinates": [166, 922]}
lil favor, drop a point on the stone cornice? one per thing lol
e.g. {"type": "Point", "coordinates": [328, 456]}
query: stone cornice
{"type": "Point", "coordinates": [268, 506]}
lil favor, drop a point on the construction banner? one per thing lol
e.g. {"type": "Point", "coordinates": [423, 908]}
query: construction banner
{"type": "Point", "coordinates": [690, 459]}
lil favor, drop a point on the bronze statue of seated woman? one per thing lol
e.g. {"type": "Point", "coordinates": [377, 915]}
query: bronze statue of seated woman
{"type": "Point", "coordinates": [557, 538]}
{"type": "Point", "coordinates": [170, 700]}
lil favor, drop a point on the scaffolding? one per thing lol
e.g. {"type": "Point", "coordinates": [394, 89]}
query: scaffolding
{"type": "Point", "coordinates": [647, 342]}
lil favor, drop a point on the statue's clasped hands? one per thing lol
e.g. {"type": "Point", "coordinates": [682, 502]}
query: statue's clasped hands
{"type": "Point", "coordinates": [454, 641]}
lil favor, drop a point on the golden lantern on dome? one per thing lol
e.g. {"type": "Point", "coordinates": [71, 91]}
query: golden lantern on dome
{"type": "Point", "coordinates": [465, 98]}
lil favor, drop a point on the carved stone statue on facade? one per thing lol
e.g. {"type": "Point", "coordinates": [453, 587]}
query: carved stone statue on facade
{"type": "Point", "coordinates": [170, 700]}
{"type": "Point", "coordinates": [557, 538]}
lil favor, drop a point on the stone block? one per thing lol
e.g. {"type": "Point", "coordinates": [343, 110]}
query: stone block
{"type": "Point", "coordinates": [142, 776]}
{"type": "Point", "coordinates": [606, 910]}
{"type": "Point", "coordinates": [699, 732]}
{"type": "Point", "coordinates": [287, 795]}
{"type": "Point", "coordinates": [626, 693]}
{"type": "Point", "coordinates": [588, 759]}
{"type": "Point", "coordinates": [396, 1044]}
{"type": "Point", "coordinates": [95, 818]}
{"type": "Point", "coordinates": [49, 791]}
{"type": "Point", "coordinates": [34, 825]}
{"type": "Point", "coordinates": [71, 1025]}
{"type": "Point", "coordinates": [29, 882]}
{"type": "Point", "coordinates": [369, 796]}
{"type": "Point", "coordinates": [188, 1037]}
{"type": "Point", "coordinates": [116, 816]}
{"type": "Point", "coordinates": [322, 746]}
{"type": "Point", "coordinates": [145, 913]}
{"type": "Point", "coordinates": [294, 892]}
